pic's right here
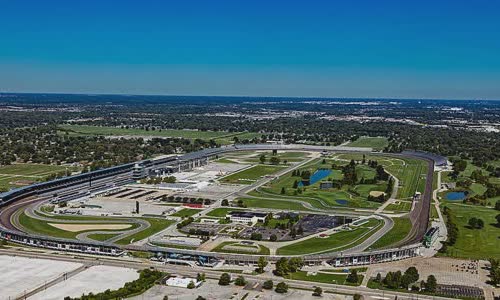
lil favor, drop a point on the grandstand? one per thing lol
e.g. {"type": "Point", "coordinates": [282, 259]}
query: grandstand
{"type": "Point", "coordinates": [439, 161]}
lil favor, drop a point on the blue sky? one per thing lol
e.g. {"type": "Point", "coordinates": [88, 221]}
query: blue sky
{"type": "Point", "coordinates": [407, 49]}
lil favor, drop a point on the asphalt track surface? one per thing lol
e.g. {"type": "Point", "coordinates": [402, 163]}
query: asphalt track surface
{"type": "Point", "coordinates": [419, 216]}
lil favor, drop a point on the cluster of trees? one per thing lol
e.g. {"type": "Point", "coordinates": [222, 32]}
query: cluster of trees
{"type": "Point", "coordinates": [192, 200]}
{"type": "Point", "coordinates": [495, 271]}
{"type": "Point", "coordinates": [476, 223]}
{"type": "Point", "coordinates": [45, 144]}
{"type": "Point", "coordinates": [147, 279]}
{"type": "Point", "coordinates": [256, 236]}
{"type": "Point", "coordinates": [285, 266]}
{"type": "Point", "coordinates": [399, 280]}
{"type": "Point", "coordinates": [452, 228]}
{"type": "Point", "coordinates": [135, 113]}
{"type": "Point", "coordinates": [274, 160]}
{"type": "Point", "coordinates": [158, 180]}
{"type": "Point", "coordinates": [353, 276]}
{"type": "Point", "coordinates": [225, 279]}
{"type": "Point", "coordinates": [185, 222]}
{"type": "Point", "coordinates": [349, 171]}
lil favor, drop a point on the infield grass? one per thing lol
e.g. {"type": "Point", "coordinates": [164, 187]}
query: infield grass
{"type": "Point", "coordinates": [334, 242]}
{"type": "Point", "coordinates": [398, 232]}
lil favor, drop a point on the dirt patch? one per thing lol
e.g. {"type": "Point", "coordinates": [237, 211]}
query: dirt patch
{"type": "Point", "coordinates": [84, 227]}
{"type": "Point", "coordinates": [376, 193]}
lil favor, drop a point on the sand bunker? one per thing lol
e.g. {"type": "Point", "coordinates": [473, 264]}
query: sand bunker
{"type": "Point", "coordinates": [84, 227]}
{"type": "Point", "coordinates": [376, 193]}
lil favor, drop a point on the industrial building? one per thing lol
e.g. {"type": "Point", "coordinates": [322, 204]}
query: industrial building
{"type": "Point", "coordinates": [246, 217]}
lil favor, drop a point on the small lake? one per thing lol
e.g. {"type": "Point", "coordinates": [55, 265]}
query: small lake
{"type": "Point", "coordinates": [342, 201]}
{"type": "Point", "coordinates": [317, 176]}
{"type": "Point", "coordinates": [456, 196]}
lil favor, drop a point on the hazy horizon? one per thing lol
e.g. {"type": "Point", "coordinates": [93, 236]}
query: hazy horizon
{"type": "Point", "coordinates": [360, 49]}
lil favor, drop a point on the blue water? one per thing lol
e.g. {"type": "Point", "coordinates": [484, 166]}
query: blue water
{"type": "Point", "coordinates": [317, 176]}
{"type": "Point", "coordinates": [456, 196]}
{"type": "Point", "coordinates": [342, 201]}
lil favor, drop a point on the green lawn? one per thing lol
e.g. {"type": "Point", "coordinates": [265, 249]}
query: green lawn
{"type": "Point", "coordinates": [101, 237]}
{"type": "Point", "coordinates": [477, 189]}
{"type": "Point", "coordinates": [313, 194]}
{"type": "Point", "coordinates": [105, 130]}
{"type": "Point", "coordinates": [377, 143]}
{"type": "Point", "coordinates": [254, 157]}
{"type": "Point", "coordinates": [401, 206]}
{"type": "Point", "coordinates": [219, 248]}
{"type": "Point", "coordinates": [157, 225]}
{"type": "Point", "coordinates": [341, 270]}
{"type": "Point", "coordinates": [323, 278]}
{"type": "Point", "coordinates": [186, 212]}
{"type": "Point", "coordinates": [475, 243]}
{"type": "Point", "coordinates": [250, 175]}
{"type": "Point", "coordinates": [398, 232]}
{"type": "Point", "coordinates": [219, 136]}
{"type": "Point", "coordinates": [410, 172]}
{"type": "Point", "coordinates": [43, 227]}
{"type": "Point", "coordinates": [221, 212]}
{"type": "Point", "coordinates": [335, 242]}
{"type": "Point", "coordinates": [12, 175]}
{"type": "Point", "coordinates": [275, 204]}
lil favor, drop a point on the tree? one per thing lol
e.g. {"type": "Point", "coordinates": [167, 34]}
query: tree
{"type": "Point", "coordinates": [224, 202]}
{"type": "Point", "coordinates": [295, 264]}
{"type": "Point", "coordinates": [262, 158]}
{"type": "Point", "coordinates": [256, 236]}
{"type": "Point", "coordinates": [224, 279]}
{"type": "Point", "coordinates": [281, 267]}
{"type": "Point", "coordinates": [498, 219]}
{"type": "Point", "coordinates": [191, 285]}
{"type": "Point", "coordinates": [476, 223]}
{"type": "Point", "coordinates": [240, 281]}
{"type": "Point", "coordinates": [353, 276]}
{"type": "Point", "coordinates": [412, 272]}
{"type": "Point", "coordinates": [200, 298]}
{"type": "Point", "coordinates": [268, 284]}
{"type": "Point", "coordinates": [261, 264]}
{"type": "Point", "coordinates": [480, 223]}
{"type": "Point", "coordinates": [200, 277]}
{"type": "Point", "coordinates": [283, 191]}
{"type": "Point", "coordinates": [317, 291]}
{"type": "Point", "coordinates": [295, 184]}
{"type": "Point", "coordinates": [273, 237]}
{"type": "Point", "coordinates": [281, 288]}
{"type": "Point", "coordinates": [356, 297]}
{"type": "Point", "coordinates": [431, 284]}
{"type": "Point", "coordinates": [275, 160]}
{"type": "Point", "coordinates": [497, 205]}
{"type": "Point", "coordinates": [165, 297]}
{"type": "Point", "coordinates": [300, 230]}
{"type": "Point", "coordinates": [472, 222]}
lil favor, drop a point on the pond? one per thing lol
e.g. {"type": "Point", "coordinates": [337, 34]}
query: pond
{"type": "Point", "coordinates": [456, 196]}
{"type": "Point", "coordinates": [342, 201]}
{"type": "Point", "coordinates": [317, 176]}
